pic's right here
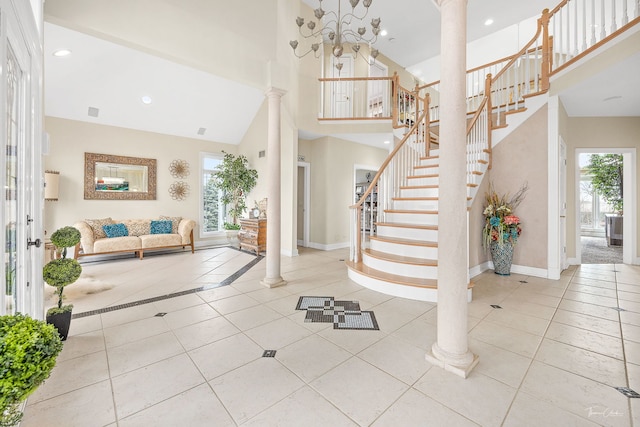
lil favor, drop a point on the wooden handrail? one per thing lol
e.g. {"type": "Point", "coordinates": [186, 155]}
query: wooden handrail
{"type": "Point", "coordinates": [386, 162]}
{"type": "Point", "coordinates": [522, 51]}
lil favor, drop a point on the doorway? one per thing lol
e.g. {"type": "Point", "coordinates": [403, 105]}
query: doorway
{"type": "Point", "coordinates": [602, 235]}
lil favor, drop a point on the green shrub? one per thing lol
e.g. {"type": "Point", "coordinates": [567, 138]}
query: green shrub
{"type": "Point", "coordinates": [65, 237]}
{"type": "Point", "coordinates": [61, 272]}
{"type": "Point", "coordinates": [230, 226]}
{"type": "Point", "coordinates": [28, 351]}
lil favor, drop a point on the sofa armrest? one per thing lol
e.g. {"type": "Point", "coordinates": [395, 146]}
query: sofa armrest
{"type": "Point", "coordinates": [86, 236]}
{"type": "Point", "coordinates": [184, 230]}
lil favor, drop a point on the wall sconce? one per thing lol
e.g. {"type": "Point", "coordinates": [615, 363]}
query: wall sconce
{"type": "Point", "coordinates": [51, 185]}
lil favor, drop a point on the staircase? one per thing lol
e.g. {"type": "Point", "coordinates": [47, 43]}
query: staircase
{"type": "Point", "coordinates": [398, 256]}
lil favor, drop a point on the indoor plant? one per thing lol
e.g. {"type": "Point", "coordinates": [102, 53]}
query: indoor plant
{"type": "Point", "coordinates": [501, 227]}
{"type": "Point", "coordinates": [28, 351]}
{"type": "Point", "coordinates": [235, 179]}
{"type": "Point", "coordinates": [61, 272]}
{"type": "Point", "coordinates": [606, 178]}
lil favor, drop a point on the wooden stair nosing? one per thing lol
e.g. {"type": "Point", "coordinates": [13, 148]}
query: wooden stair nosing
{"type": "Point", "coordinates": [417, 187]}
{"type": "Point", "coordinates": [431, 175]}
{"type": "Point", "coordinates": [425, 166]}
{"type": "Point", "coordinates": [411, 211]}
{"type": "Point", "coordinates": [408, 242]}
{"type": "Point", "coordinates": [401, 225]}
{"type": "Point", "coordinates": [400, 259]}
{"type": "Point", "coordinates": [429, 157]}
{"type": "Point", "coordinates": [393, 278]}
{"type": "Point", "coordinates": [414, 199]}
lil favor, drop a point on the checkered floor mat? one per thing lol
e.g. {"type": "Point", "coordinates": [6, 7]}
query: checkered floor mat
{"type": "Point", "coordinates": [343, 314]}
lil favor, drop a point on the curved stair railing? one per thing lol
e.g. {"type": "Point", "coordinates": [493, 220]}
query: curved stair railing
{"type": "Point", "coordinates": [393, 173]}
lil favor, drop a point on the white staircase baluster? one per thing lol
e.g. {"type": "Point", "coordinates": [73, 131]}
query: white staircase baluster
{"type": "Point", "coordinates": [614, 24]}
{"type": "Point", "coordinates": [603, 32]}
{"type": "Point", "coordinates": [593, 22]}
{"type": "Point", "coordinates": [625, 17]}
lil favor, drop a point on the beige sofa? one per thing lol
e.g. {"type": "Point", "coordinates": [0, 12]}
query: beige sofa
{"type": "Point", "coordinates": [139, 238]}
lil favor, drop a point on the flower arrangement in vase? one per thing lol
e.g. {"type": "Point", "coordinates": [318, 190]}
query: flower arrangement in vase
{"type": "Point", "coordinates": [502, 228]}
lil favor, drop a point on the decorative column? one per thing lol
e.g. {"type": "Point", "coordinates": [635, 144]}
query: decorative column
{"type": "Point", "coordinates": [273, 278]}
{"type": "Point", "coordinates": [451, 350]}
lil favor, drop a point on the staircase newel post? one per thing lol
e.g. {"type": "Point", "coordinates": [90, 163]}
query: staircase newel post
{"type": "Point", "coordinates": [547, 47]}
{"type": "Point", "coordinates": [358, 233]}
{"type": "Point", "coordinates": [487, 91]}
{"type": "Point", "coordinates": [394, 99]}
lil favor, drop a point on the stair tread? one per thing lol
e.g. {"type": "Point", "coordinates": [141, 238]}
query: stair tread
{"type": "Point", "coordinates": [393, 278]}
{"type": "Point", "coordinates": [414, 187]}
{"type": "Point", "coordinates": [401, 259]}
{"type": "Point", "coordinates": [431, 175]}
{"type": "Point", "coordinates": [415, 198]}
{"type": "Point", "coordinates": [410, 211]}
{"type": "Point", "coordinates": [400, 225]}
{"type": "Point", "coordinates": [411, 242]}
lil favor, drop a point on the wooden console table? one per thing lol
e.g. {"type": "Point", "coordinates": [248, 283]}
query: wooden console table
{"type": "Point", "coordinates": [253, 234]}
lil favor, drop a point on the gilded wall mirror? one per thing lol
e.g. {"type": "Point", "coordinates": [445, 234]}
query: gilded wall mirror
{"type": "Point", "coordinates": [108, 177]}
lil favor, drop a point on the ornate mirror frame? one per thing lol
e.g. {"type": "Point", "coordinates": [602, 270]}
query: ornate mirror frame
{"type": "Point", "coordinates": [90, 192]}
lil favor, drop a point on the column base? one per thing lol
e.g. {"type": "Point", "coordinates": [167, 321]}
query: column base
{"type": "Point", "coordinates": [273, 282]}
{"type": "Point", "coordinates": [460, 365]}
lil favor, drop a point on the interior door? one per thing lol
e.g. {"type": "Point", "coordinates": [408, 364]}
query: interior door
{"type": "Point", "coordinates": [342, 91]}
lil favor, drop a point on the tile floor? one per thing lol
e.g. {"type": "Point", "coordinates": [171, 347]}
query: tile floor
{"type": "Point", "coordinates": [551, 356]}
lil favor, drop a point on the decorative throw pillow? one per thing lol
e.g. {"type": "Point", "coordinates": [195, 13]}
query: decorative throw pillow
{"type": "Point", "coordinates": [96, 226]}
{"type": "Point", "coordinates": [175, 221]}
{"type": "Point", "coordinates": [138, 227]}
{"type": "Point", "coordinates": [115, 230]}
{"type": "Point", "coordinates": [160, 227]}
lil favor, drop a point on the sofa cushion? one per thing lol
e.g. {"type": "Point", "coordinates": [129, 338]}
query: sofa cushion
{"type": "Point", "coordinates": [115, 230]}
{"type": "Point", "coordinates": [160, 240]}
{"type": "Point", "coordinates": [96, 226]}
{"type": "Point", "coordinates": [160, 227]}
{"type": "Point", "coordinates": [117, 244]}
{"type": "Point", "coordinates": [138, 227]}
{"type": "Point", "coordinates": [175, 221]}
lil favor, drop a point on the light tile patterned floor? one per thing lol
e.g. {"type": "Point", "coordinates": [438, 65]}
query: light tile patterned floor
{"type": "Point", "coordinates": [551, 356]}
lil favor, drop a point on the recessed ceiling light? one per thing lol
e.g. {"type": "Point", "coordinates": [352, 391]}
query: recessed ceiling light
{"type": "Point", "coordinates": [201, 131]}
{"type": "Point", "coordinates": [146, 100]}
{"type": "Point", "coordinates": [62, 52]}
{"type": "Point", "coordinates": [488, 22]}
{"type": "Point", "coordinates": [383, 33]}
{"type": "Point", "coordinates": [387, 142]}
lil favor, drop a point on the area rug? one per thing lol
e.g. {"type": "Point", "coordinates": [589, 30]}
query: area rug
{"type": "Point", "coordinates": [596, 251]}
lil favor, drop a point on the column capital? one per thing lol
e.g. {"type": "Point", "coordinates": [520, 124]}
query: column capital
{"type": "Point", "coordinates": [274, 91]}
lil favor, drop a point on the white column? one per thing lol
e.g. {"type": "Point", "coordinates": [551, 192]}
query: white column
{"type": "Point", "coordinates": [451, 350]}
{"type": "Point", "coordinates": [273, 278]}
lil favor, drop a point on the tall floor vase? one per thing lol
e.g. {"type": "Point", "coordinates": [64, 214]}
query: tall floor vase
{"type": "Point", "coordinates": [502, 256]}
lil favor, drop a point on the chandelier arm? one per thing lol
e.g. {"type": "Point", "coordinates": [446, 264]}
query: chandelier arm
{"type": "Point", "coordinates": [358, 37]}
{"type": "Point", "coordinates": [317, 55]}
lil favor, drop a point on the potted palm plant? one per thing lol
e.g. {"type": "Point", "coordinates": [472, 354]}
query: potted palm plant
{"type": "Point", "coordinates": [235, 179]}
{"type": "Point", "coordinates": [59, 273]}
{"type": "Point", "coordinates": [28, 351]}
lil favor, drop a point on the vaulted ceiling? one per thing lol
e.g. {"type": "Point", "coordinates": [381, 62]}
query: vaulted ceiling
{"type": "Point", "coordinates": [187, 102]}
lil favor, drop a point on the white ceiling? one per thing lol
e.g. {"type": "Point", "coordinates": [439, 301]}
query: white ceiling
{"type": "Point", "coordinates": [113, 78]}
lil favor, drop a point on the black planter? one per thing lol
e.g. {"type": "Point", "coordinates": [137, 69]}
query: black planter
{"type": "Point", "coordinates": [61, 321]}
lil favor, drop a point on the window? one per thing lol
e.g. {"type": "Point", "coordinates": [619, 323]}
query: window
{"type": "Point", "coordinates": [213, 211]}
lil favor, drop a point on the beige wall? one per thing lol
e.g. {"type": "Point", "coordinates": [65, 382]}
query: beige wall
{"type": "Point", "coordinates": [597, 133]}
{"type": "Point", "coordinates": [332, 187]}
{"type": "Point", "coordinates": [521, 157]}
{"type": "Point", "coordinates": [71, 139]}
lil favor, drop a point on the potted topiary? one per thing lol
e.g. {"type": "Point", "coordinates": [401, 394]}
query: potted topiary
{"type": "Point", "coordinates": [61, 272]}
{"type": "Point", "coordinates": [235, 179]}
{"type": "Point", "coordinates": [28, 351]}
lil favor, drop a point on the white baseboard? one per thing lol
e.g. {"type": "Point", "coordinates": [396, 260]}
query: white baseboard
{"type": "Point", "coordinates": [289, 253]}
{"type": "Point", "coordinates": [518, 269]}
{"type": "Point", "coordinates": [573, 261]}
{"type": "Point", "coordinates": [330, 247]}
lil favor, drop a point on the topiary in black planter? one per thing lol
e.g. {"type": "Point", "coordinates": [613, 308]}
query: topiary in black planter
{"type": "Point", "coordinates": [60, 273]}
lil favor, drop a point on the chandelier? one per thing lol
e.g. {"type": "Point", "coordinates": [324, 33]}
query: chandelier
{"type": "Point", "coordinates": [337, 29]}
